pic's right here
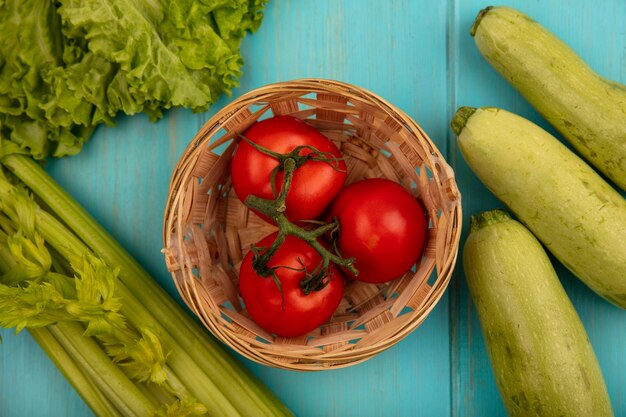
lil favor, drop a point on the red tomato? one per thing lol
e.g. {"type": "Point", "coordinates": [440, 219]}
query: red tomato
{"type": "Point", "coordinates": [302, 312]}
{"type": "Point", "coordinates": [314, 184]}
{"type": "Point", "coordinates": [381, 226]}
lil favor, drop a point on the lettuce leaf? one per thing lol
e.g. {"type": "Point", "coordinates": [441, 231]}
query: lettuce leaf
{"type": "Point", "coordinates": [70, 65]}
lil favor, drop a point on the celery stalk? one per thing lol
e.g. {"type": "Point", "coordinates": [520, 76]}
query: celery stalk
{"type": "Point", "coordinates": [21, 213]}
{"type": "Point", "coordinates": [99, 367]}
{"type": "Point", "coordinates": [231, 378]}
{"type": "Point", "coordinates": [198, 383]}
{"type": "Point", "coordinates": [86, 387]}
{"type": "Point", "coordinates": [159, 395]}
{"type": "Point", "coordinates": [71, 246]}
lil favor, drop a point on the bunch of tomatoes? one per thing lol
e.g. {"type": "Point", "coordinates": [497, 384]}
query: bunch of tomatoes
{"type": "Point", "coordinates": [293, 176]}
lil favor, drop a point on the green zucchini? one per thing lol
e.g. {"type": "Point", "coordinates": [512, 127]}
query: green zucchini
{"type": "Point", "coordinates": [587, 109]}
{"type": "Point", "coordinates": [541, 357]}
{"type": "Point", "coordinates": [575, 213]}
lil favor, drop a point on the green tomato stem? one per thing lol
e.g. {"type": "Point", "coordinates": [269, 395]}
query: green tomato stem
{"type": "Point", "coordinates": [275, 210]}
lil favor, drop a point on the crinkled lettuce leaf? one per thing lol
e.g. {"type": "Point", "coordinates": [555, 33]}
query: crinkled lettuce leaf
{"type": "Point", "coordinates": [70, 65]}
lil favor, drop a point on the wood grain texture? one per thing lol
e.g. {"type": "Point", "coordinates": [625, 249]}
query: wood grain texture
{"type": "Point", "coordinates": [416, 54]}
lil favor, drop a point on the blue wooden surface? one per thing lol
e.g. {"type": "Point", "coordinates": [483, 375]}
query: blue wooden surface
{"type": "Point", "coordinates": [419, 56]}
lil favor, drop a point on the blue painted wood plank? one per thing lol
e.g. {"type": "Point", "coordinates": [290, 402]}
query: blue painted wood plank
{"type": "Point", "coordinates": [123, 173]}
{"type": "Point", "coordinates": [419, 56]}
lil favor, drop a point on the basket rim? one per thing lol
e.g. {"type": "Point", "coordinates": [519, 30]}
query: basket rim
{"type": "Point", "coordinates": [317, 85]}
{"type": "Point", "coordinates": [310, 85]}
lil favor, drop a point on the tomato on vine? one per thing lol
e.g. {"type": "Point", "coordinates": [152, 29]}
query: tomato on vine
{"type": "Point", "coordinates": [257, 168]}
{"type": "Point", "coordinates": [285, 301]}
{"type": "Point", "coordinates": [381, 226]}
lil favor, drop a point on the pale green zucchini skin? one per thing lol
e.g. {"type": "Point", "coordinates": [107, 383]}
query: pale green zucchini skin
{"type": "Point", "coordinates": [587, 109]}
{"type": "Point", "coordinates": [541, 357]}
{"type": "Point", "coordinates": [573, 211]}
